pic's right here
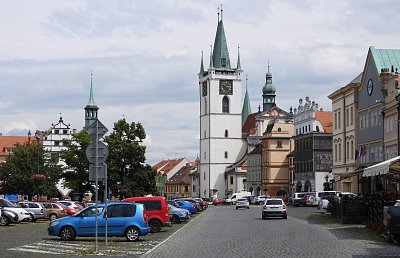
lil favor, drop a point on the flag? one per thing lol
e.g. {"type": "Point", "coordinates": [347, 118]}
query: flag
{"type": "Point", "coordinates": [356, 154]}
{"type": "Point", "coordinates": [364, 151]}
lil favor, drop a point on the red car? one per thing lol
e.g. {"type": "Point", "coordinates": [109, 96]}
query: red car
{"type": "Point", "coordinates": [218, 201]}
{"type": "Point", "coordinates": [157, 210]}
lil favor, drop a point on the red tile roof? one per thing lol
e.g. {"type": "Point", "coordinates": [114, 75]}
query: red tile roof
{"type": "Point", "coordinates": [7, 144]}
{"type": "Point", "coordinates": [325, 118]}
{"type": "Point", "coordinates": [166, 166]}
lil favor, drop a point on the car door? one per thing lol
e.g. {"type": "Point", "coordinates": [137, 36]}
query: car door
{"type": "Point", "coordinates": [115, 220]}
{"type": "Point", "coordinates": [85, 222]}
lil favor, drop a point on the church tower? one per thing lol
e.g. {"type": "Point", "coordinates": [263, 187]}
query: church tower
{"type": "Point", "coordinates": [220, 91]}
{"type": "Point", "coordinates": [91, 107]}
{"type": "Point", "coordinates": [268, 92]}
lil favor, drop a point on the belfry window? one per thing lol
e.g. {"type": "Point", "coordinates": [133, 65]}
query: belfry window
{"type": "Point", "coordinates": [225, 105]}
{"type": "Point", "coordinates": [226, 134]}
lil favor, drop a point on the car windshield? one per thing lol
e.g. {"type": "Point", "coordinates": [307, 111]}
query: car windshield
{"type": "Point", "coordinates": [274, 202]}
{"type": "Point", "coordinates": [7, 203]}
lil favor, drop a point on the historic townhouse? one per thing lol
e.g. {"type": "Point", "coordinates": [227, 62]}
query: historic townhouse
{"type": "Point", "coordinates": [344, 108]}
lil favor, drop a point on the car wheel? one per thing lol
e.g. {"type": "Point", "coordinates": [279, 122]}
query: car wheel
{"type": "Point", "coordinates": [53, 216]}
{"type": "Point", "coordinates": [175, 219]}
{"type": "Point", "coordinates": [263, 217]}
{"type": "Point", "coordinates": [261, 202]}
{"type": "Point", "coordinates": [132, 234]}
{"type": "Point", "coordinates": [31, 218]}
{"type": "Point", "coordinates": [67, 233]}
{"type": "Point", "coordinates": [285, 216]}
{"type": "Point", "coordinates": [237, 208]}
{"type": "Point", "coordinates": [248, 207]}
{"type": "Point", "coordinates": [4, 221]}
{"type": "Point", "coordinates": [155, 226]}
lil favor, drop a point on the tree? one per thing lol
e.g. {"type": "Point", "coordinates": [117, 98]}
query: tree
{"type": "Point", "coordinates": [76, 174]}
{"type": "Point", "coordinates": [128, 175]}
{"type": "Point", "coordinates": [29, 171]}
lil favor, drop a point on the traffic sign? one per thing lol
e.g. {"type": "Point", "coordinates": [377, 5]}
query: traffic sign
{"type": "Point", "coordinates": [97, 130]}
{"type": "Point", "coordinates": [101, 172]}
{"type": "Point", "coordinates": [102, 152]}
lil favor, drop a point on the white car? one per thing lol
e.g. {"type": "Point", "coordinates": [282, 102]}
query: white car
{"type": "Point", "coordinates": [23, 215]}
{"type": "Point", "coordinates": [274, 207]}
{"type": "Point", "coordinates": [242, 203]}
{"type": "Point", "coordinates": [260, 199]}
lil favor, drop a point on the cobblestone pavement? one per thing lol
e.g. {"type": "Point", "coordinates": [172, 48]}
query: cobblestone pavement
{"type": "Point", "coordinates": [225, 232]}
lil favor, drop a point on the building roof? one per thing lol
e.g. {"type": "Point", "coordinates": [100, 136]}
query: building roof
{"type": "Point", "coordinates": [181, 177]}
{"type": "Point", "coordinates": [385, 58]}
{"type": "Point", "coordinates": [220, 53]}
{"type": "Point", "coordinates": [246, 109]}
{"type": "Point", "coordinates": [166, 166]}
{"type": "Point", "coordinates": [325, 118]}
{"type": "Point", "coordinates": [7, 143]}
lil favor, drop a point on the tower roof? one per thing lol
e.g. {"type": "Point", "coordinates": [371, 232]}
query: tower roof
{"type": "Point", "coordinates": [201, 64]}
{"type": "Point", "coordinates": [91, 99]}
{"type": "Point", "coordinates": [220, 53]}
{"type": "Point", "coordinates": [246, 110]}
{"type": "Point", "coordinates": [268, 88]}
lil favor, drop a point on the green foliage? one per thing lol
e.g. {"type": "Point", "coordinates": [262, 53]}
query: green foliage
{"type": "Point", "coordinates": [76, 175]}
{"type": "Point", "coordinates": [17, 173]}
{"type": "Point", "coordinates": [128, 175]}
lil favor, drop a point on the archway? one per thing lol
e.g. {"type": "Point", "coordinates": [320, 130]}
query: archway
{"type": "Point", "coordinates": [307, 186]}
{"type": "Point", "coordinates": [299, 185]}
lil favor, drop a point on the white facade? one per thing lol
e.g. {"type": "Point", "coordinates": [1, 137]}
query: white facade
{"type": "Point", "coordinates": [221, 144]}
{"type": "Point", "coordinates": [52, 142]}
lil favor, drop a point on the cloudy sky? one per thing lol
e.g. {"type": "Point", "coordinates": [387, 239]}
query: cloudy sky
{"type": "Point", "coordinates": [145, 56]}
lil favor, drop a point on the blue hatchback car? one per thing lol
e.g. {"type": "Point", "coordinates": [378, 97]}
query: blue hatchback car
{"type": "Point", "coordinates": [122, 218]}
{"type": "Point", "coordinates": [186, 205]}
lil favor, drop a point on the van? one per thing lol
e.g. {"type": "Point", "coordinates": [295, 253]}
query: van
{"type": "Point", "coordinates": [295, 200]}
{"type": "Point", "coordinates": [157, 210]}
{"type": "Point", "coordinates": [320, 194]}
{"type": "Point", "coordinates": [236, 196]}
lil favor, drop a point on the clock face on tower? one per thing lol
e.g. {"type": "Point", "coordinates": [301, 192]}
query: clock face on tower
{"type": "Point", "coordinates": [226, 87]}
{"type": "Point", "coordinates": [370, 87]}
{"type": "Point", "coordinates": [204, 89]}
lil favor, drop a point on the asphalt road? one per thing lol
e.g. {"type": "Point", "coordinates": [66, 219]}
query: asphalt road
{"type": "Point", "coordinates": [220, 231]}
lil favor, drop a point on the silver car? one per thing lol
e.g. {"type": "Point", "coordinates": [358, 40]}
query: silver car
{"type": "Point", "coordinates": [35, 209]}
{"type": "Point", "coordinates": [242, 203]}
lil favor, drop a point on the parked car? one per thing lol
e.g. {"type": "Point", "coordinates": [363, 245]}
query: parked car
{"type": "Point", "coordinates": [7, 217]}
{"type": "Point", "coordinates": [203, 204]}
{"type": "Point", "coordinates": [157, 209]}
{"type": "Point", "coordinates": [274, 208]}
{"type": "Point", "coordinates": [178, 215]}
{"type": "Point", "coordinates": [122, 218]}
{"type": "Point", "coordinates": [260, 199]}
{"type": "Point", "coordinates": [218, 201]}
{"type": "Point", "coordinates": [242, 203]}
{"type": "Point", "coordinates": [187, 205]}
{"type": "Point", "coordinates": [73, 205]}
{"type": "Point", "coordinates": [295, 200]}
{"type": "Point", "coordinates": [250, 198]}
{"type": "Point", "coordinates": [23, 215]}
{"type": "Point", "coordinates": [54, 210]}
{"type": "Point", "coordinates": [392, 223]}
{"type": "Point", "coordinates": [194, 202]}
{"type": "Point", "coordinates": [35, 209]}
{"type": "Point", "coordinates": [235, 196]}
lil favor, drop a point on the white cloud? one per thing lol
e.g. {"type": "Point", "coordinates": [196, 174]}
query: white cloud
{"type": "Point", "coordinates": [145, 56]}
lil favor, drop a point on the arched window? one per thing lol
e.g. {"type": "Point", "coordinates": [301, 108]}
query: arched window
{"type": "Point", "coordinates": [226, 134]}
{"type": "Point", "coordinates": [225, 105]}
{"type": "Point", "coordinates": [279, 129]}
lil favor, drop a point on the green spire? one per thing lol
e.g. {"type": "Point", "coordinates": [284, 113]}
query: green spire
{"type": "Point", "coordinates": [268, 92]}
{"type": "Point", "coordinates": [238, 67]}
{"type": "Point", "coordinates": [91, 99]}
{"type": "Point", "coordinates": [201, 64]}
{"type": "Point", "coordinates": [220, 53]}
{"type": "Point", "coordinates": [211, 57]}
{"type": "Point", "coordinates": [246, 110]}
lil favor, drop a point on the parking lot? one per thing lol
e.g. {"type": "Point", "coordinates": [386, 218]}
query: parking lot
{"type": "Point", "coordinates": [31, 238]}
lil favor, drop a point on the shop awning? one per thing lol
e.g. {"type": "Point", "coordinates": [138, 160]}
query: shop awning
{"type": "Point", "coordinates": [380, 168]}
{"type": "Point", "coordinates": [348, 174]}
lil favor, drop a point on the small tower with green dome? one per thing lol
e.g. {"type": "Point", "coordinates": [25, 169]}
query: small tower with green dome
{"type": "Point", "coordinates": [268, 92]}
{"type": "Point", "coordinates": [91, 107]}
